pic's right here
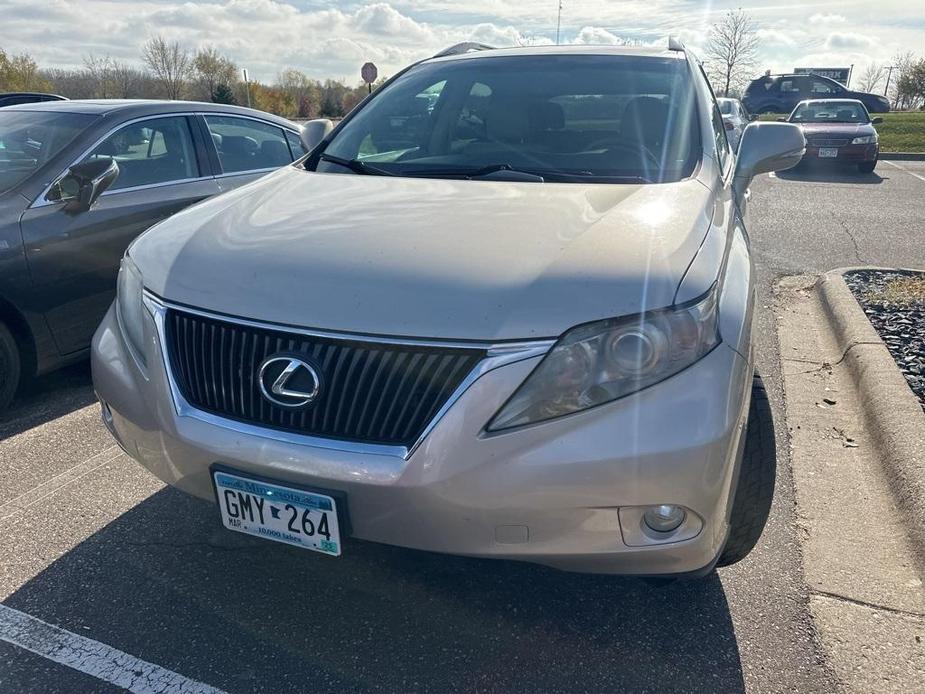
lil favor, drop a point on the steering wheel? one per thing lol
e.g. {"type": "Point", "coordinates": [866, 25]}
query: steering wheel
{"type": "Point", "coordinates": [613, 143]}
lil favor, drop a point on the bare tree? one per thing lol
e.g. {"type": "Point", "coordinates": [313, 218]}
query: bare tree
{"type": "Point", "coordinates": [899, 94]}
{"type": "Point", "coordinates": [732, 50]}
{"type": "Point", "coordinates": [211, 69]}
{"type": "Point", "coordinates": [170, 64]}
{"type": "Point", "coordinates": [872, 76]}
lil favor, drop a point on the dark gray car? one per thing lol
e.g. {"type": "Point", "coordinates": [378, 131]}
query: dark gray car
{"type": "Point", "coordinates": [79, 180]}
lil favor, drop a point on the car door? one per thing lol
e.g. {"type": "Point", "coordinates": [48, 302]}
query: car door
{"type": "Point", "coordinates": [74, 257]}
{"type": "Point", "coordinates": [793, 89]}
{"type": "Point", "coordinates": [249, 148]}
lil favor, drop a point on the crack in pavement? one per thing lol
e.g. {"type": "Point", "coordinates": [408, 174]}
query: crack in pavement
{"type": "Point", "coordinates": [864, 603]}
{"type": "Point", "coordinates": [826, 364]}
{"type": "Point", "coordinates": [854, 241]}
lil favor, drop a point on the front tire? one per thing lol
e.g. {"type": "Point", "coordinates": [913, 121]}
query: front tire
{"type": "Point", "coordinates": [867, 166]}
{"type": "Point", "coordinates": [755, 488]}
{"type": "Point", "coordinates": [10, 366]}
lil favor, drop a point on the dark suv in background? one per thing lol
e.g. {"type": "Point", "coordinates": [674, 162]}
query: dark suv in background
{"type": "Point", "coordinates": [781, 93]}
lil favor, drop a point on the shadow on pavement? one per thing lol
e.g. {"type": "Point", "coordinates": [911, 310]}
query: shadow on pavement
{"type": "Point", "coordinates": [48, 397]}
{"type": "Point", "coordinates": [820, 173]}
{"type": "Point", "coordinates": [166, 583]}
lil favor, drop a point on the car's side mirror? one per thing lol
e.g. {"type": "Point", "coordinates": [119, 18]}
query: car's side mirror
{"type": "Point", "coordinates": [876, 121]}
{"type": "Point", "coordinates": [766, 147]}
{"type": "Point", "coordinates": [314, 131]}
{"type": "Point", "coordinates": [84, 183]}
{"type": "Point", "coordinates": [753, 116]}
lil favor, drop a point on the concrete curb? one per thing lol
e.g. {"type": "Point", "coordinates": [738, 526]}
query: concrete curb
{"type": "Point", "coordinates": [891, 410]}
{"type": "Point", "coordinates": [903, 156]}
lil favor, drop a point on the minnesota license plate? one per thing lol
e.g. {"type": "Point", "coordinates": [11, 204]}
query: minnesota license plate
{"type": "Point", "coordinates": [828, 152]}
{"type": "Point", "coordinates": [277, 512]}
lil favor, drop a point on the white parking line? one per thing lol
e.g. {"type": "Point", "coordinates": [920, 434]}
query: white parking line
{"type": "Point", "coordinates": [92, 657]}
{"type": "Point", "coordinates": [903, 168]}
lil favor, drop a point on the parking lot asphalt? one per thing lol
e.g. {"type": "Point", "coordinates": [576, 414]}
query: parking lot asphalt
{"type": "Point", "coordinates": [90, 543]}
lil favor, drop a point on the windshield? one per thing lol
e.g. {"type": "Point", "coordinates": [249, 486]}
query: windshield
{"type": "Point", "coordinates": [29, 139]}
{"type": "Point", "coordinates": [830, 112]}
{"type": "Point", "coordinates": [562, 118]}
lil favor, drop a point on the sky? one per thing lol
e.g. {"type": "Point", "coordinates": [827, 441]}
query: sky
{"type": "Point", "coordinates": [333, 39]}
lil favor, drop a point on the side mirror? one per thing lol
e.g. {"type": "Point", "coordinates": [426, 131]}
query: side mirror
{"type": "Point", "coordinates": [83, 183]}
{"type": "Point", "coordinates": [314, 131]}
{"type": "Point", "coordinates": [753, 116]}
{"type": "Point", "coordinates": [766, 147]}
{"type": "Point", "coordinates": [876, 121]}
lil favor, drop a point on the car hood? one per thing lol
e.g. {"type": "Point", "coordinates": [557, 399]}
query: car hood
{"type": "Point", "coordinates": [840, 129]}
{"type": "Point", "coordinates": [415, 257]}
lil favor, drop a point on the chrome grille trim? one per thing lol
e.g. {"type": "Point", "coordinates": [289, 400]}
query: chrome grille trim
{"type": "Point", "coordinates": [496, 356]}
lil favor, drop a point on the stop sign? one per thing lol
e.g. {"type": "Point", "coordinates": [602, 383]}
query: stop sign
{"type": "Point", "coordinates": [369, 73]}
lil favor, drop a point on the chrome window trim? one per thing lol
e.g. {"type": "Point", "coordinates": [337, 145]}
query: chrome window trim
{"type": "Point", "coordinates": [498, 355]}
{"type": "Point", "coordinates": [41, 200]}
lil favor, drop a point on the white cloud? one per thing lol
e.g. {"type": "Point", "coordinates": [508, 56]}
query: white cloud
{"type": "Point", "coordinates": [848, 41]}
{"type": "Point", "coordinates": [820, 18]}
{"type": "Point", "coordinates": [333, 39]}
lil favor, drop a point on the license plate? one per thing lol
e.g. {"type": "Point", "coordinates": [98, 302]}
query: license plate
{"type": "Point", "coordinates": [277, 512]}
{"type": "Point", "coordinates": [828, 152]}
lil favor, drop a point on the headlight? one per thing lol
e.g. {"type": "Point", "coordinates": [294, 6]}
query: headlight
{"type": "Point", "coordinates": [866, 140]}
{"type": "Point", "coordinates": [600, 362]}
{"type": "Point", "coordinates": [130, 307]}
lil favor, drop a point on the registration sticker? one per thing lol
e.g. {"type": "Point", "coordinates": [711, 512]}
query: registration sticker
{"type": "Point", "coordinates": [277, 512]}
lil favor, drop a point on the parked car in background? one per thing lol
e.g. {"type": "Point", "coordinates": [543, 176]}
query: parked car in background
{"type": "Point", "coordinates": [517, 324]}
{"type": "Point", "coordinates": [17, 98]}
{"type": "Point", "coordinates": [781, 93]}
{"type": "Point", "coordinates": [79, 180]}
{"type": "Point", "coordinates": [840, 131]}
{"type": "Point", "coordinates": [735, 119]}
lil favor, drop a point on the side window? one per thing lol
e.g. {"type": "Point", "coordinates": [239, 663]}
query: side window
{"type": "Point", "coordinates": [158, 150]}
{"type": "Point", "coordinates": [248, 145]}
{"type": "Point", "coordinates": [823, 87]}
{"type": "Point", "coordinates": [295, 145]}
{"type": "Point", "coordinates": [719, 128]}
{"type": "Point", "coordinates": [789, 86]}
{"type": "Point", "coordinates": [722, 143]}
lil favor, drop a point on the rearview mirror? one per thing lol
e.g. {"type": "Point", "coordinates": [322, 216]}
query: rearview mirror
{"type": "Point", "coordinates": [84, 183]}
{"type": "Point", "coordinates": [876, 121]}
{"type": "Point", "coordinates": [314, 131]}
{"type": "Point", "coordinates": [767, 147]}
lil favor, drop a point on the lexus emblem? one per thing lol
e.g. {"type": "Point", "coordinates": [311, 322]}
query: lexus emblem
{"type": "Point", "coordinates": [288, 381]}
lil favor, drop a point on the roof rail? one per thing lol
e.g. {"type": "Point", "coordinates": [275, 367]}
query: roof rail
{"type": "Point", "coordinates": [460, 48]}
{"type": "Point", "coordinates": [675, 44]}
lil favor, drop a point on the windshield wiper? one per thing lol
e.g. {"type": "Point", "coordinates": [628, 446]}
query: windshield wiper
{"type": "Point", "coordinates": [500, 172]}
{"type": "Point", "coordinates": [357, 166]}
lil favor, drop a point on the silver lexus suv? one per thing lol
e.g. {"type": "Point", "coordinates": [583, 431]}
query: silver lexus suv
{"type": "Point", "coordinates": [504, 309]}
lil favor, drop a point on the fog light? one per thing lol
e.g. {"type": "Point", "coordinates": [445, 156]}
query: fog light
{"type": "Point", "coordinates": [664, 518]}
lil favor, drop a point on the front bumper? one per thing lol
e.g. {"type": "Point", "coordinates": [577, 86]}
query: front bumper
{"type": "Point", "coordinates": [566, 493]}
{"type": "Point", "coordinates": [854, 154]}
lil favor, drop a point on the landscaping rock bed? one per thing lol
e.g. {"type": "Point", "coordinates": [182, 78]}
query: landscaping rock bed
{"type": "Point", "coordinates": [894, 301]}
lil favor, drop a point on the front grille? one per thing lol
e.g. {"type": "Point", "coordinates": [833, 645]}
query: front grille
{"type": "Point", "coordinates": [823, 142]}
{"type": "Point", "coordinates": [372, 392]}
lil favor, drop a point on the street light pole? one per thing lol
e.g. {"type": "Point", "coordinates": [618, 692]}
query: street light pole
{"type": "Point", "coordinates": [558, 22]}
{"type": "Point", "coordinates": [247, 88]}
